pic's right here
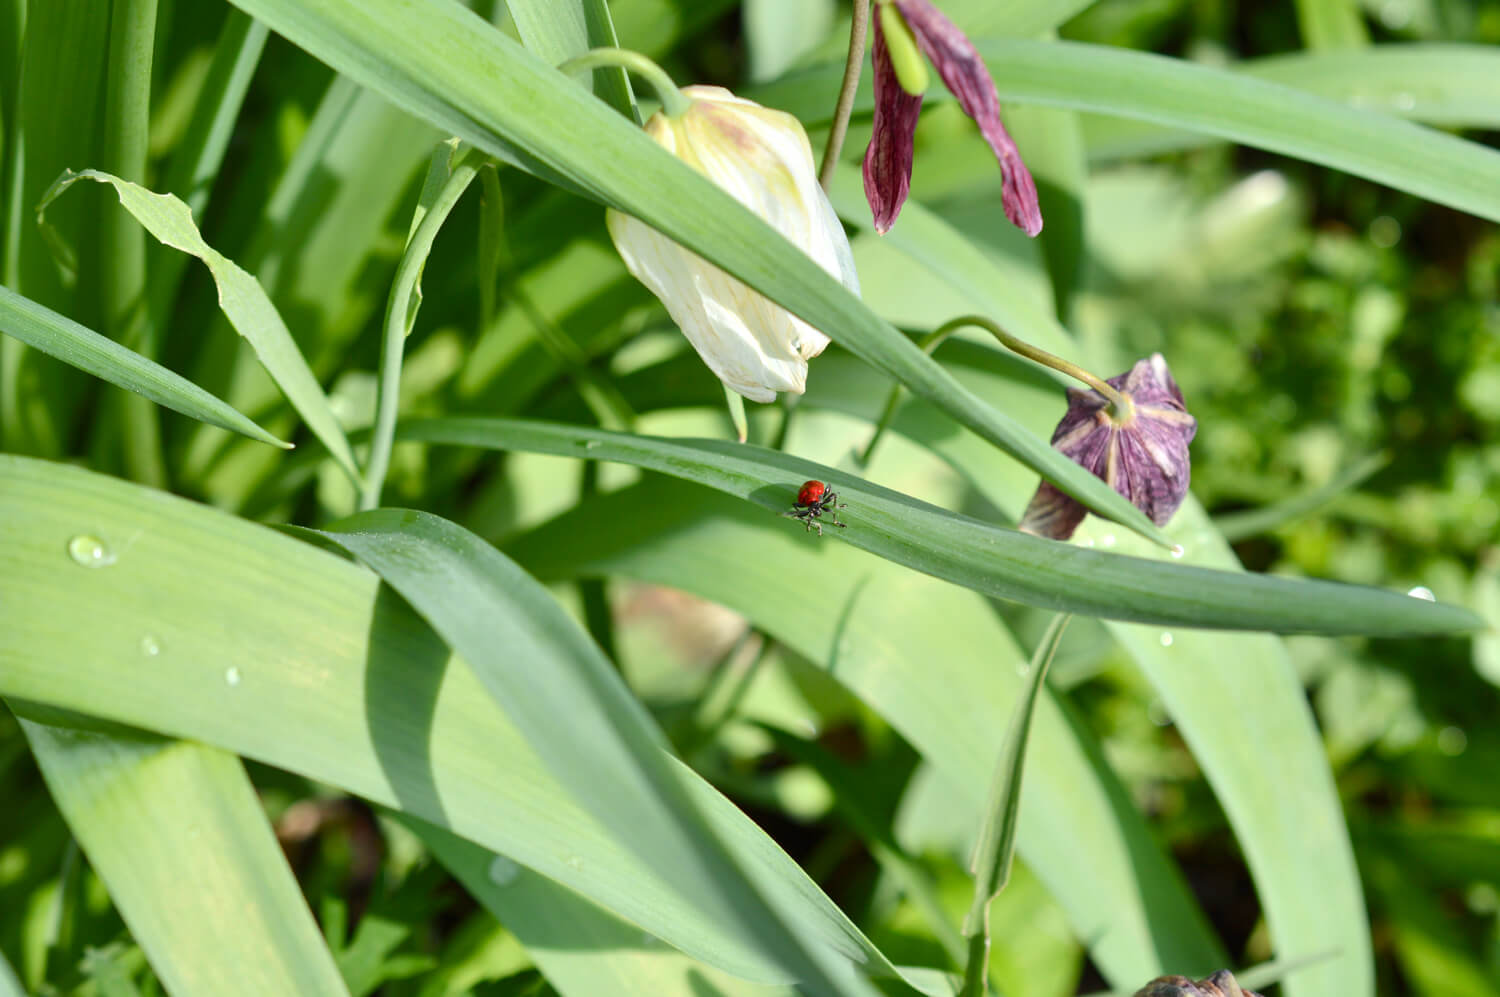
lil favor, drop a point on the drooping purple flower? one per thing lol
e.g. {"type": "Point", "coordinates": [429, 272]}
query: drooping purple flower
{"type": "Point", "coordinates": [1221, 984]}
{"type": "Point", "coordinates": [887, 166]}
{"type": "Point", "coordinates": [1141, 453]}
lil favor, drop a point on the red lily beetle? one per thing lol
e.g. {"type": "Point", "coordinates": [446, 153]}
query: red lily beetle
{"type": "Point", "coordinates": [813, 499]}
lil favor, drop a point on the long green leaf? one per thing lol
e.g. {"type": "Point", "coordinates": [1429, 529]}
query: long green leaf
{"type": "Point", "coordinates": [1439, 84]}
{"type": "Point", "coordinates": [1266, 764]}
{"type": "Point", "coordinates": [9, 985]}
{"type": "Point", "coordinates": [1078, 830]}
{"type": "Point", "coordinates": [1219, 102]}
{"type": "Point", "coordinates": [127, 110]}
{"type": "Point", "coordinates": [1331, 24]}
{"type": "Point", "coordinates": [558, 30]}
{"type": "Point", "coordinates": [57, 108]}
{"type": "Point", "coordinates": [177, 834]}
{"type": "Point", "coordinates": [454, 70]}
{"type": "Point", "coordinates": [583, 950]}
{"type": "Point", "coordinates": [541, 668]}
{"type": "Point", "coordinates": [301, 660]}
{"type": "Point", "coordinates": [240, 295]}
{"type": "Point", "coordinates": [988, 559]}
{"type": "Point", "coordinates": [25, 320]}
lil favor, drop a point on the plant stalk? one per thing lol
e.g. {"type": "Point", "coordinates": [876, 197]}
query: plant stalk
{"type": "Point", "coordinates": [854, 64]}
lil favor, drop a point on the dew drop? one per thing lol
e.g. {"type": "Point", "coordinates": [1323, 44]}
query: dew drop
{"type": "Point", "coordinates": [91, 552]}
{"type": "Point", "coordinates": [648, 940]}
{"type": "Point", "coordinates": [1108, 540]}
{"type": "Point", "coordinates": [1177, 551]}
{"type": "Point", "coordinates": [1166, 639]}
{"type": "Point", "coordinates": [150, 646]}
{"type": "Point", "coordinates": [232, 676]}
{"type": "Point", "coordinates": [1404, 102]}
{"type": "Point", "coordinates": [1023, 668]}
{"type": "Point", "coordinates": [1422, 592]}
{"type": "Point", "coordinates": [502, 870]}
{"type": "Point", "coordinates": [1086, 542]}
{"type": "Point", "coordinates": [575, 862]}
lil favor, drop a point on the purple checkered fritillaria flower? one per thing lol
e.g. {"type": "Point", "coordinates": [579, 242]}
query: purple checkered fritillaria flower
{"type": "Point", "coordinates": [1221, 984]}
{"type": "Point", "coordinates": [887, 167]}
{"type": "Point", "coordinates": [1141, 453]}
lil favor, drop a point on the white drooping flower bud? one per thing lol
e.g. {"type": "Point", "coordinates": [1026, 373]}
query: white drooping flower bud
{"type": "Point", "coordinates": [762, 158]}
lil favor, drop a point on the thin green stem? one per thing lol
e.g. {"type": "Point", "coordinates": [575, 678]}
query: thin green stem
{"type": "Point", "coordinates": [1120, 403]}
{"type": "Point", "coordinates": [854, 64]}
{"type": "Point", "coordinates": [673, 100]}
{"type": "Point", "coordinates": [996, 845]}
{"type": "Point", "coordinates": [127, 114]}
{"type": "Point", "coordinates": [736, 406]}
{"type": "Point", "coordinates": [401, 313]}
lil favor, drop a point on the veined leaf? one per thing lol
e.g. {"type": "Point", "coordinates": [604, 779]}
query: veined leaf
{"type": "Point", "coordinates": [997, 562]}
{"type": "Point", "coordinates": [445, 64]}
{"type": "Point", "coordinates": [240, 295]}
{"type": "Point", "coordinates": [575, 712]}
{"type": "Point", "coordinates": [45, 330]}
{"type": "Point", "coordinates": [178, 835]}
{"type": "Point", "coordinates": [301, 660]}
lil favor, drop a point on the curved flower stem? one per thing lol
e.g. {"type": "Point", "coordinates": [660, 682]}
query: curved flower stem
{"type": "Point", "coordinates": [854, 64]}
{"type": "Point", "coordinates": [401, 305]}
{"type": "Point", "coordinates": [673, 100]}
{"type": "Point", "coordinates": [996, 844]}
{"type": "Point", "coordinates": [1121, 403]}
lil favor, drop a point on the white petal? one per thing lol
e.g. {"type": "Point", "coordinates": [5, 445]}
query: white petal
{"type": "Point", "coordinates": [715, 312]}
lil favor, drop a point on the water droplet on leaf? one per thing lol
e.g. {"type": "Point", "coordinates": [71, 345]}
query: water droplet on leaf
{"type": "Point", "coordinates": [502, 870]}
{"type": "Point", "coordinates": [90, 551]}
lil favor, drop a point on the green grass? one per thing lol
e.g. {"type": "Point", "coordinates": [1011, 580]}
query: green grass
{"type": "Point", "coordinates": [575, 710]}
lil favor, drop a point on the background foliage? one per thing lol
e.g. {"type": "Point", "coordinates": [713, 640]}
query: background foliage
{"type": "Point", "coordinates": [236, 762]}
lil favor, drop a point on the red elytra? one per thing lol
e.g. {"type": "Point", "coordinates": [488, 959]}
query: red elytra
{"type": "Point", "coordinates": [811, 492]}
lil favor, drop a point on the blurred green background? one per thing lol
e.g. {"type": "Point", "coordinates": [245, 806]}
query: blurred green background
{"type": "Point", "coordinates": [1338, 342]}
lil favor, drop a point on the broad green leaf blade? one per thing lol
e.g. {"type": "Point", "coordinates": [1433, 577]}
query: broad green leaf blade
{"type": "Point", "coordinates": [177, 833]}
{"type": "Point", "coordinates": [575, 712]}
{"type": "Point", "coordinates": [25, 320]}
{"type": "Point", "coordinates": [1266, 764]}
{"type": "Point", "coordinates": [240, 296]}
{"type": "Point", "coordinates": [1079, 830]}
{"type": "Point", "coordinates": [57, 104]}
{"type": "Point", "coordinates": [454, 70]}
{"type": "Point", "coordinates": [1270, 772]}
{"type": "Point", "coordinates": [991, 560]}
{"type": "Point", "coordinates": [1219, 102]}
{"type": "Point", "coordinates": [1450, 85]}
{"type": "Point", "coordinates": [301, 660]}
{"type": "Point", "coordinates": [583, 950]}
{"type": "Point", "coordinates": [9, 985]}
{"type": "Point", "coordinates": [1331, 24]}
{"type": "Point", "coordinates": [557, 30]}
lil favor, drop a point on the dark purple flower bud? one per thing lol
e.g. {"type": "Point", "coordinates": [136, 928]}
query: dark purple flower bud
{"type": "Point", "coordinates": [1221, 984]}
{"type": "Point", "coordinates": [1141, 453]}
{"type": "Point", "coordinates": [887, 167]}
